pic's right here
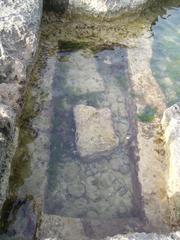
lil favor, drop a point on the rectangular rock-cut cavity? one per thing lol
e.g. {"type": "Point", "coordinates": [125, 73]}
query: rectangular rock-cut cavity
{"type": "Point", "coordinates": [92, 170]}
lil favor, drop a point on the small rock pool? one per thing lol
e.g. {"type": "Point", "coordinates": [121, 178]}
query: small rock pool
{"type": "Point", "coordinates": [77, 172]}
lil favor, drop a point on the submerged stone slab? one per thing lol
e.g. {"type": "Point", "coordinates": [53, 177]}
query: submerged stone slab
{"type": "Point", "coordinates": [82, 76]}
{"type": "Point", "coordinates": [56, 227]}
{"type": "Point", "coordinates": [95, 134]}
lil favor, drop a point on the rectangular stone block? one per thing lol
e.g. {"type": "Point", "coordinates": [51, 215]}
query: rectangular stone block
{"type": "Point", "coordinates": [95, 134]}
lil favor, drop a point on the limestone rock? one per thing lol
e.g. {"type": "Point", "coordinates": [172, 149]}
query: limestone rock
{"type": "Point", "coordinates": [95, 6]}
{"type": "Point", "coordinates": [82, 75]}
{"type": "Point", "coordinates": [94, 131]}
{"type": "Point", "coordinates": [76, 188]}
{"type": "Point", "coordinates": [7, 146]}
{"type": "Point", "coordinates": [56, 227]}
{"type": "Point", "coordinates": [146, 236]}
{"type": "Point", "coordinates": [19, 25]}
{"type": "Point", "coordinates": [171, 127]}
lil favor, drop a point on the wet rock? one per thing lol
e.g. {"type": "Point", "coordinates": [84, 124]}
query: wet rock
{"type": "Point", "coordinates": [71, 171]}
{"type": "Point", "coordinates": [92, 214]}
{"type": "Point", "coordinates": [119, 162]}
{"type": "Point", "coordinates": [19, 25]}
{"type": "Point", "coordinates": [56, 227]}
{"type": "Point", "coordinates": [23, 226]}
{"type": "Point", "coordinates": [76, 188]}
{"type": "Point", "coordinates": [107, 179]}
{"type": "Point", "coordinates": [82, 75]}
{"type": "Point", "coordinates": [8, 141]}
{"type": "Point", "coordinates": [120, 187]}
{"type": "Point", "coordinates": [94, 131]}
{"type": "Point", "coordinates": [75, 208]}
{"type": "Point", "coordinates": [92, 189]}
{"type": "Point", "coordinates": [118, 206]}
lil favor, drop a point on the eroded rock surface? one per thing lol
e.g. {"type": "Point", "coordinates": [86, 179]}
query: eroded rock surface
{"type": "Point", "coordinates": [8, 140]}
{"type": "Point", "coordinates": [171, 127]}
{"type": "Point", "coordinates": [94, 131]}
{"type": "Point", "coordinates": [146, 236]}
{"type": "Point", "coordinates": [19, 25]}
{"type": "Point", "coordinates": [95, 6]}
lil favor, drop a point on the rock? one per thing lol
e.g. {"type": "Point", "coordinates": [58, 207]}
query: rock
{"type": "Point", "coordinates": [76, 188]}
{"type": "Point", "coordinates": [171, 127]}
{"type": "Point", "coordinates": [119, 163]}
{"type": "Point", "coordinates": [24, 225]}
{"type": "Point", "coordinates": [92, 214]}
{"type": "Point", "coordinates": [71, 171]}
{"type": "Point", "coordinates": [8, 141]}
{"type": "Point", "coordinates": [74, 208]}
{"type": "Point", "coordinates": [19, 25]}
{"type": "Point", "coordinates": [56, 227]}
{"type": "Point", "coordinates": [82, 75]}
{"type": "Point", "coordinates": [106, 179]}
{"type": "Point", "coordinates": [94, 131]}
{"type": "Point", "coordinates": [92, 191]}
{"type": "Point", "coordinates": [96, 6]}
{"type": "Point", "coordinates": [146, 236]}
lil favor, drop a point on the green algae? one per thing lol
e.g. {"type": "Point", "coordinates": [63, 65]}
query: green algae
{"type": "Point", "coordinates": [71, 45]}
{"type": "Point", "coordinates": [147, 115]}
{"type": "Point", "coordinates": [21, 163]}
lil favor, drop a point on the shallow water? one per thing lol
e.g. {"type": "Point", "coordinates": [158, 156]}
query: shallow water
{"type": "Point", "coordinates": [48, 171]}
{"type": "Point", "coordinates": [102, 187]}
{"type": "Point", "coordinates": [166, 54]}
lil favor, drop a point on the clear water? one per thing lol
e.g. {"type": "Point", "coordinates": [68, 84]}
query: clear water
{"type": "Point", "coordinates": [166, 54]}
{"type": "Point", "coordinates": [102, 187]}
{"type": "Point", "coordinates": [107, 187]}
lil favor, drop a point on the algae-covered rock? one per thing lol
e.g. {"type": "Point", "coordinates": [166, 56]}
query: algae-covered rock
{"type": "Point", "coordinates": [94, 131]}
{"type": "Point", "coordinates": [19, 26]}
{"type": "Point", "coordinates": [7, 146]}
